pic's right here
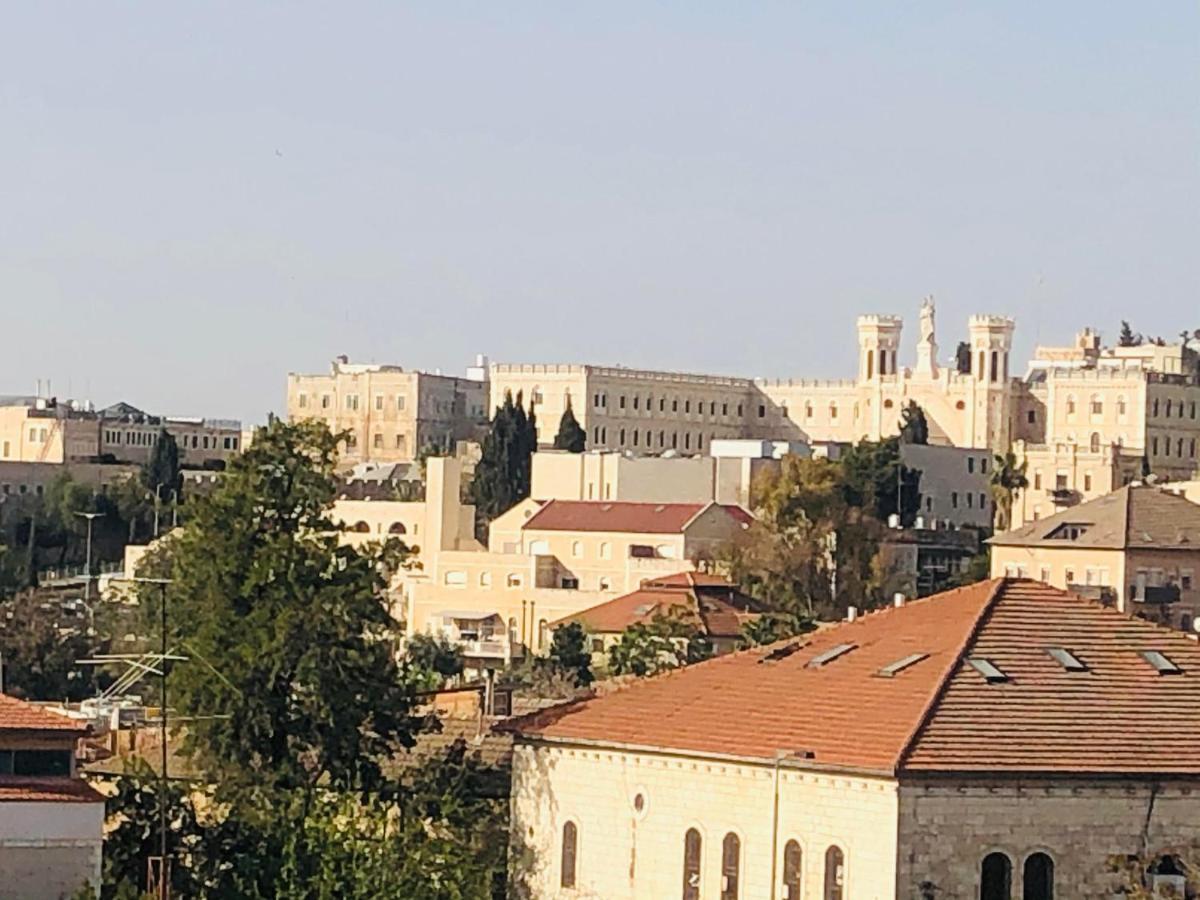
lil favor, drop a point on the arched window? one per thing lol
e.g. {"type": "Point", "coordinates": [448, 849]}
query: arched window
{"type": "Point", "coordinates": [570, 838]}
{"type": "Point", "coordinates": [1168, 409]}
{"type": "Point", "coordinates": [995, 877]}
{"type": "Point", "coordinates": [691, 865]}
{"type": "Point", "coordinates": [1039, 877]}
{"type": "Point", "coordinates": [397, 528]}
{"type": "Point", "coordinates": [485, 579]}
{"type": "Point", "coordinates": [833, 410]}
{"type": "Point", "coordinates": [577, 549]}
{"type": "Point", "coordinates": [1095, 442]}
{"type": "Point", "coordinates": [1070, 404]}
{"type": "Point", "coordinates": [731, 857]}
{"type": "Point", "coordinates": [793, 865]}
{"type": "Point", "coordinates": [543, 633]}
{"type": "Point", "coordinates": [835, 873]}
{"type": "Point", "coordinates": [1097, 405]}
{"type": "Point", "coordinates": [808, 410]}
{"type": "Point", "coordinates": [995, 366]}
{"type": "Point", "coordinates": [1121, 408]}
{"type": "Point", "coordinates": [361, 528]}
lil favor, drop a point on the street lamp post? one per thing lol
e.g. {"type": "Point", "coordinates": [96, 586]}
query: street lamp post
{"type": "Point", "coordinates": [87, 580]}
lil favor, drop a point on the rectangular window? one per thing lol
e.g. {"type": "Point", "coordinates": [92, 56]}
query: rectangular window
{"type": "Point", "coordinates": [970, 465]}
{"type": "Point", "coordinates": [324, 401]}
{"type": "Point", "coordinates": [621, 402]}
{"type": "Point", "coordinates": [377, 441]}
{"type": "Point", "coordinates": [400, 403]}
{"type": "Point", "coordinates": [954, 499]}
{"type": "Point", "coordinates": [379, 401]}
{"type": "Point", "coordinates": [352, 402]}
{"type": "Point", "coordinates": [302, 400]}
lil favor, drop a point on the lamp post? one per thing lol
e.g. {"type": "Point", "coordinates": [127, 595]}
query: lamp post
{"type": "Point", "coordinates": [87, 582]}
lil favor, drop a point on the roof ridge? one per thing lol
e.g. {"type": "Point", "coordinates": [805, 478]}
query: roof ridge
{"type": "Point", "coordinates": [935, 698]}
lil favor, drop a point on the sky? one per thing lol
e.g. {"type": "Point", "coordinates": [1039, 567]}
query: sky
{"type": "Point", "coordinates": [196, 199]}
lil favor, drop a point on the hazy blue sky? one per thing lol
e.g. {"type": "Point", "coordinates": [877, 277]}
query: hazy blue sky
{"type": "Point", "coordinates": [198, 198]}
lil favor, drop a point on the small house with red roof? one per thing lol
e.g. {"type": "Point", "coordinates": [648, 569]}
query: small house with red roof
{"type": "Point", "coordinates": [1003, 740]}
{"type": "Point", "coordinates": [51, 820]}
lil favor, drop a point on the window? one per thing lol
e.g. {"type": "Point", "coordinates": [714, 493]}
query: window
{"type": "Point", "coordinates": [1097, 405]}
{"type": "Point", "coordinates": [833, 410]}
{"type": "Point", "coordinates": [604, 584]}
{"type": "Point", "coordinates": [621, 434]}
{"type": "Point", "coordinates": [397, 528]}
{"type": "Point", "coordinates": [352, 401]}
{"type": "Point", "coordinates": [793, 866]}
{"type": "Point", "coordinates": [302, 400]}
{"type": "Point", "coordinates": [762, 410]}
{"type": "Point", "coordinates": [324, 401]}
{"type": "Point", "coordinates": [543, 633]}
{"type": "Point", "coordinates": [577, 549]}
{"type": "Point", "coordinates": [691, 864]}
{"type": "Point", "coordinates": [954, 499]}
{"type": "Point", "coordinates": [1155, 408]}
{"type": "Point", "coordinates": [995, 877]}
{"type": "Point", "coordinates": [1154, 446]}
{"type": "Point", "coordinates": [1121, 408]}
{"type": "Point", "coordinates": [1087, 481]}
{"type": "Point", "coordinates": [379, 401]}
{"type": "Point", "coordinates": [35, 762]}
{"type": "Point", "coordinates": [970, 465]}
{"type": "Point", "coordinates": [485, 579]}
{"type": "Point", "coordinates": [1031, 417]}
{"type": "Point", "coordinates": [570, 840]}
{"type": "Point", "coordinates": [621, 402]}
{"type": "Point", "coordinates": [377, 441]}
{"type": "Point", "coordinates": [1168, 412]}
{"type": "Point", "coordinates": [1037, 481]}
{"type": "Point", "coordinates": [400, 403]}
{"type": "Point", "coordinates": [808, 411]}
{"type": "Point", "coordinates": [455, 579]}
{"type": "Point", "coordinates": [835, 873]}
{"type": "Point", "coordinates": [569, 583]}
{"type": "Point", "coordinates": [982, 500]}
{"type": "Point", "coordinates": [636, 401]}
{"type": "Point", "coordinates": [401, 443]}
{"type": "Point", "coordinates": [514, 580]}
{"type": "Point", "coordinates": [1039, 877]}
{"type": "Point", "coordinates": [731, 852]}
{"type": "Point", "coordinates": [1070, 404]}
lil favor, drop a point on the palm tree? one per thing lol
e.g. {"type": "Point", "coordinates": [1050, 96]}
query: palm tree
{"type": "Point", "coordinates": [1008, 477]}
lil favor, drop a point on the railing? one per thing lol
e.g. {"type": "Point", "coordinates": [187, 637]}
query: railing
{"type": "Point", "coordinates": [487, 649]}
{"type": "Point", "coordinates": [79, 573]}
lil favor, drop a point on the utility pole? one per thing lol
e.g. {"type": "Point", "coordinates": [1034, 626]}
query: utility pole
{"type": "Point", "coordinates": [164, 878]}
{"type": "Point", "coordinates": [87, 582]}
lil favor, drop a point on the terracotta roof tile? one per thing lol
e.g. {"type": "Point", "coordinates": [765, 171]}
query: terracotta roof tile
{"type": "Point", "coordinates": [18, 789]}
{"type": "Point", "coordinates": [938, 714]}
{"type": "Point", "coordinates": [716, 617]}
{"type": "Point", "coordinates": [633, 518]}
{"type": "Point", "coordinates": [17, 715]}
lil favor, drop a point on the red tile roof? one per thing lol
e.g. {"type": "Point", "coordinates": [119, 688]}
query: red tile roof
{"type": "Point", "coordinates": [688, 579]}
{"type": "Point", "coordinates": [715, 617]}
{"type": "Point", "coordinates": [632, 518]}
{"type": "Point", "coordinates": [937, 714]}
{"type": "Point", "coordinates": [18, 789]}
{"type": "Point", "coordinates": [17, 715]}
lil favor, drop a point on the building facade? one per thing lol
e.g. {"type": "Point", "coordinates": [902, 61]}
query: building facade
{"type": "Point", "coordinates": [931, 750]}
{"type": "Point", "coordinates": [387, 412]}
{"type": "Point", "coordinates": [51, 821]}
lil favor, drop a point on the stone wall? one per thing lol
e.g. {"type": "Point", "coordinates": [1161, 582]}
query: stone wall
{"type": "Point", "coordinates": [946, 829]}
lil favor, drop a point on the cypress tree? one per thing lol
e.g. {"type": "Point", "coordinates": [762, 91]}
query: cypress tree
{"type": "Point", "coordinates": [571, 436]}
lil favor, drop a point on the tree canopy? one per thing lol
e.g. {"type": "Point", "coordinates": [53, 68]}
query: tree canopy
{"type": "Point", "coordinates": [571, 436]}
{"type": "Point", "coordinates": [668, 641]}
{"type": "Point", "coordinates": [502, 475]}
{"type": "Point", "coordinates": [162, 473]}
{"type": "Point", "coordinates": [914, 427]}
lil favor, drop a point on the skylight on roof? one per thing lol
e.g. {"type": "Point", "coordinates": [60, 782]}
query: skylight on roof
{"type": "Point", "coordinates": [1066, 659]}
{"type": "Point", "coordinates": [1068, 531]}
{"type": "Point", "coordinates": [1162, 665]}
{"type": "Point", "coordinates": [985, 668]}
{"type": "Point", "coordinates": [900, 665]}
{"type": "Point", "coordinates": [830, 655]}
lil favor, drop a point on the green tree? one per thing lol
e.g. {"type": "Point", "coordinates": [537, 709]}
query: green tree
{"type": "Point", "coordinates": [1127, 338]}
{"type": "Point", "coordinates": [434, 659]}
{"type": "Point", "coordinates": [1008, 477]}
{"type": "Point", "coordinates": [877, 480]}
{"type": "Point", "coordinates": [503, 473]}
{"type": "Point", "coordinates": [571, 436]}
{"type": "Point", "coordinates": [569, 653]}
{"type": "Point", "coordinates": [39, 657]}
{"type": "Point", "coordinates": [776, 626]}
{"type": "Point", "coordinates": [293, 682]}
{"type": "Point", "coordinates": [914, 427]}
{"type": "Point", "coordinates": [667, 641]}
{"type": "Point", "coordinates": [162, 472]}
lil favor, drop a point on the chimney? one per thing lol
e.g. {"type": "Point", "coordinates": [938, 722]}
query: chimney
{"type": "Point", "coordinates": [898, 599]}
{"type": "Point", "coordinates": [851, 613]}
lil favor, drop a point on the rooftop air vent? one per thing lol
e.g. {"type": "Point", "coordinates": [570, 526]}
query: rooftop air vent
{"type": "Point", "coordinates": [782, 652]}
{"type": "Point", "coordinates": [830, 655]}
{"type": "Point", "coordinates": [985, 668]}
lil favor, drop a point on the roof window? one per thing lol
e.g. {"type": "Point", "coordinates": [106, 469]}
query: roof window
{"type": "Point", "coordinates": [985, 668]}
{"type": "Point", "coordinates": [1066, 659]}
{"type": "Point", "coordinates": [1162, 665]}
{"type": "Point", "coordinates": [830, 655]}
{"type": "Point", "coordinates": [900, 665]}
{"type": "Point", "coordinates": [1068, 531]}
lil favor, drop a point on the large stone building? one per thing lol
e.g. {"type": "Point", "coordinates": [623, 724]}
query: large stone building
{"type": "Point", "coordinates": [51, 821]}
{"type": "Point", "coordinates": [1138, 547]}
{"type": "Point", "coordinates": [389, 413]}
{"type": "Point", "coordinates": [1003, 740]}
{"type": "Point", "coordinates": [57, 432]}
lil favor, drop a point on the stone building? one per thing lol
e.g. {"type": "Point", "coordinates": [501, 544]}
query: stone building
{"type": "Point", "coordinates": [389, 413]}
{"type": "Point", "coordinates": [1003, 740]}
{"type": "Point", "coordinates": [1138, 547]}
{"type": "Point", "coordinates": [51, 821]}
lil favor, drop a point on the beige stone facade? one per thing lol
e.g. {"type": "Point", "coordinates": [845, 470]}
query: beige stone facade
{"type": "Point", "coordinates": [39, 430]}
{"type": "Point", "coordinates": [389, 413]}
{"type": "Point", "coordinates": [627, 853]}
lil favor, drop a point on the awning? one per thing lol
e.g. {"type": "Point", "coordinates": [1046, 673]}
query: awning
{"type": "Point", "coordinates": [469, 615]}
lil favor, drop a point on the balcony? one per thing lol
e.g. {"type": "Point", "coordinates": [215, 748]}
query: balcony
{"type": "Point", "coordinates": [1157, 595]}
{"type": "Point", "coordinates": [485, 648]}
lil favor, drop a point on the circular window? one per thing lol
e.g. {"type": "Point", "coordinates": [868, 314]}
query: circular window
{"type": "Point", "coordinates": [960, 405]}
